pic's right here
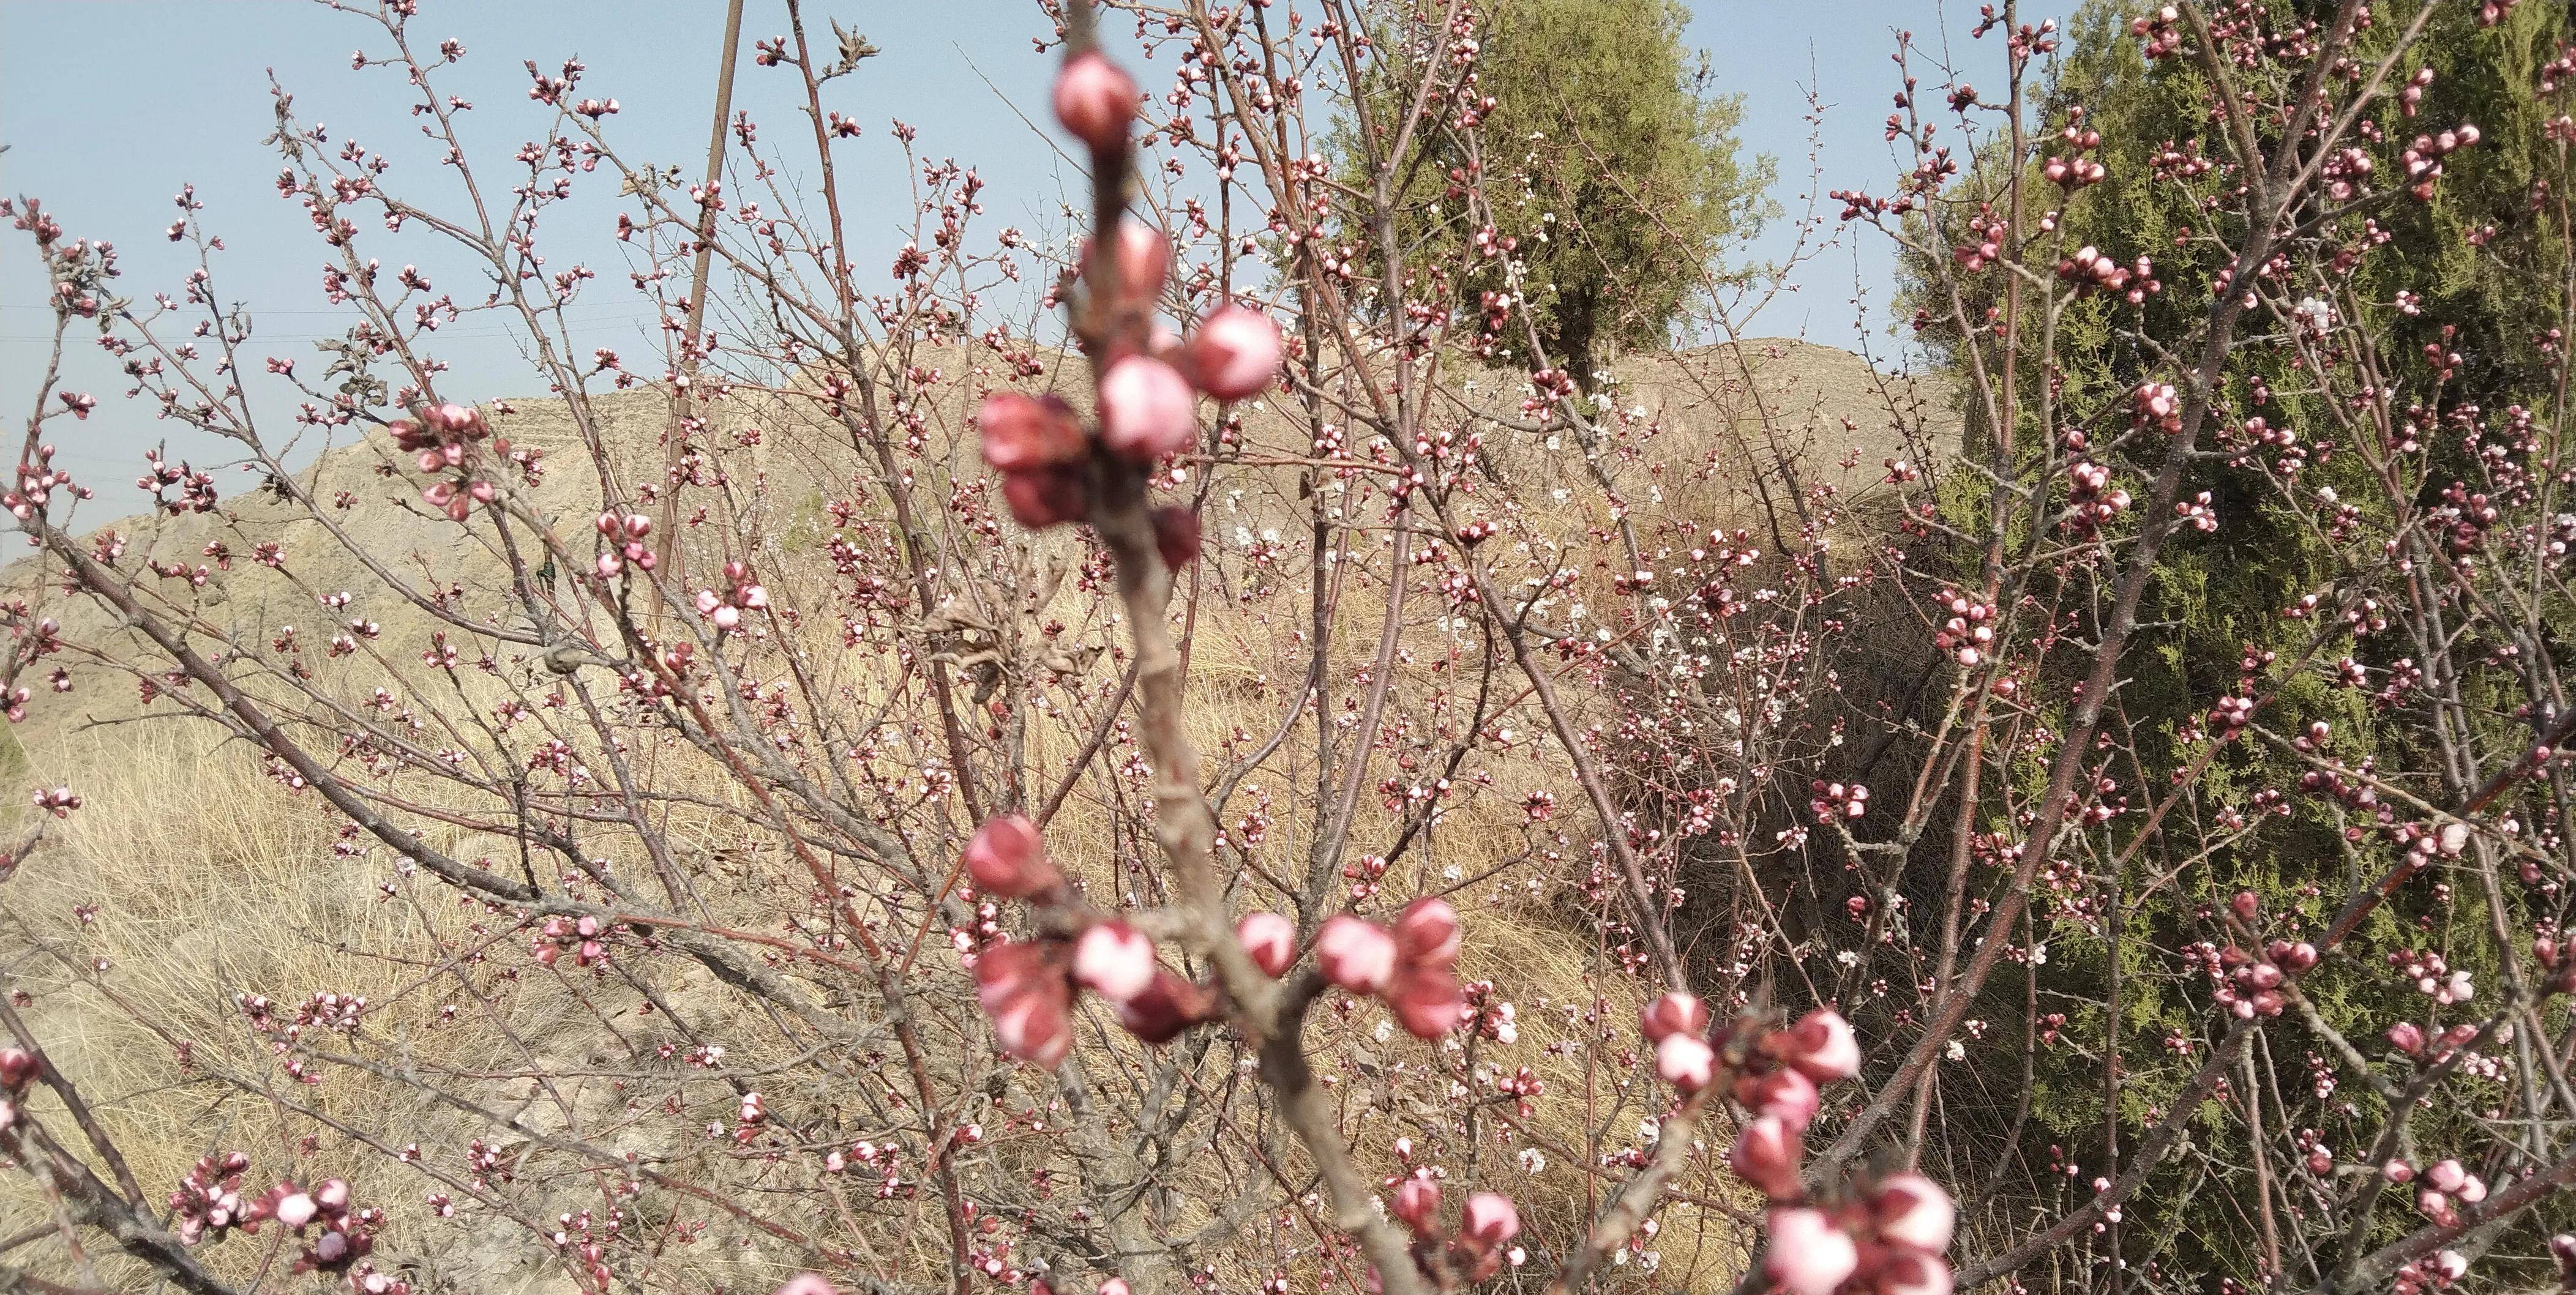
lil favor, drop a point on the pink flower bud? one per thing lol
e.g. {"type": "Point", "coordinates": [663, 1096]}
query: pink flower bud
{"type": "Point", "coordinates": [1417, 1202]}
{"type": "Point", "coordinates": [2406, 1037]}
{"type": "Point", "coordinates": [17, 1068]}
{"type": "Point", "coordinates": [2446, 1175]}
{"type": "Point", "coordinates": [1095, 100]}
{"type": "Point", "coordinates": [807, 1284]}
{"type": "Point", "coordinates": [1176, 536]}
{"type": "Point", "coordinates": [1167, 1006]}
{"type": "Point", "coordinates": [1426, 932]}
{"type": "Point", "coordinates": [1911, 1272]}
{"type": "Point", "coordinates": [1270, 939]}
{"type": "Point", "coordinates": [1021, 433]}
{"type": "Point", "coordinates": [1427, 1001]}
{"type": "Point", "coordinates": [1045, 497]}
{"type": "Point", "coordinates": [1821, 1044]}
{"type": "Point", "coordinates": [1025, 992]}
{"type": "Point", "coordinates": [1234, 354]}
{"type": "Point", "coordinates": [2246, 905]}
{"type": "Point", "coordinates": [2397, 1171]}
{"type": "Point", "coordinates": [1674, 1014]}
{"type": "Point", "coordinates": [1146, 410]}
{"type": "Point", "coordinates": [1112, 1286]}
{"type": "Point", "coordinates": [1489, 1220]}
{"type": "Point", "coordinates": [1142, 257]}
{"type": "Point", "coordinates": [296, 1210]}
{"type": "Point", "coordinates": [1685, 1062]}
{"type": "Point", "coordinates": [1807, 1254]}
{"type": "Point", "coordinates": [1007, 859]}
{"type": "Point", "coordinates": [1114, 960]}
{"type": "Point", "coordinates": [1357, 955]}
{"type": "Point", "coordinates": [1785, 1092]}
{"type": "Point", "coordinates": [1914, 1211]}
{"type": "Point", "coordinates": [1766, 1155]}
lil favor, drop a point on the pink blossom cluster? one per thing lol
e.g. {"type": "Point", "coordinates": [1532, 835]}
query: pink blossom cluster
{"type": "Point", "coordinates": [1969, 632]}
{"type": "Point", "coordinates": [583, 937]}
{"type": "Point", "coordinates": [742, 593]}
{"type": "Point", "coordinates": [1889, 1239]}
{"type": "Point", "coordinates": [1412, 967]}
{"type": "Point", "coordinates": [1148, 384]}
{"type": "Point", "coordinates": [443, 437]}
{"type": "Point", "coordinates": [1027, 987]}
{"type": "Point", "coordinates": [625, 534]}
{"type": "Point", "coordinates": [2440, 1188]}
{"type": "Point", "coordinates": [1476, 1248]}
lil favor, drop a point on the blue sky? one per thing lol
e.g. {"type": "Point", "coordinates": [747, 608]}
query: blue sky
{"type": "Point", "coordinates": [109, 106]}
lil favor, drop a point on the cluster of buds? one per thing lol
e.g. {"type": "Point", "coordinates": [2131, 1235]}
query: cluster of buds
{"type": "Point", "coordinates": [583, 937]}
{"type": "Point", "coordinates": [1148, 386]}
{"type": "Point", "coordinates": [2231, 714]}
{"type": "Point", "coordinates": [1888, 1240]}
{"type": "Point", "coordinates": [2434, 977]}
{"type": "Point", "coordinates": [2074, 171]}
{"type": "Point", "coordinates": [1412, 967]}
{"type": "Point", "coordinates": [1474, 1250]}
{"type": "Point", "coordinates": [1028, 987]}
{"type": "Point", "coordinates": [1989, 232]}
{"type": "Point", "coordinates": [1830, 800]}
{"type": "Point", "coordinates": [2423, 157]}
{"type": "Point", "coordinates": [743, 594]}
{"type": "Point", "coordinates": [2439, 1270]}
{"type": "Point", "coordinates": [2161, 30]}
{"type": "Point", "coordinates": [2090, 269]}
{"type": "Point", "coordinates": [208, 1202]}
{"type": "Point", "coordinates": [443, 436]}
{"type": "Point", "coordinates": [1776, 1071]}
{"type": "Point", "coordinates": [2157, 405]}
{"type": "Point", "coordinates": [2411, 1040]}
{"type": "Point", "coordinates": [625, 533]}
{"type": "Point", "coordinates": [1148, 402]}
{"type": "Point", "coordinates": [340, 1236]}
{"type": "Point", "coordinates": [1968, 634]}
{"type": "Point", "coordinates": [2091, 500]}
{"type": "Point", "coordinates": [2251, 985]}
{"type": "Point", "coordinates": [37, 480]}
{"type": "Point", "coordinates": [2440, 1188]}
{"type": "Point", "coordinates": [18, 1069]}
{"type": "Point", "coordinates": [57, 801]}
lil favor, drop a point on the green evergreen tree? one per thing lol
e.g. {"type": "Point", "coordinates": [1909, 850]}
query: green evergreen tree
{"type": "Point", "coordinates": [2218, 598]}
{"type": "Point", "coordinates": [1611, 166]}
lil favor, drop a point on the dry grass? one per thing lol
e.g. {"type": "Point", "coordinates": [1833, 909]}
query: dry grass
{"type": "Point", "coordinates": [190, 876]}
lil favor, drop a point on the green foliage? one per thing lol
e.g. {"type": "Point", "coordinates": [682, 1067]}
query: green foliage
{"type": "Point", "coordinates": [2217, 600]}
{"type": "Point", "coordinates": [1608, 162]}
